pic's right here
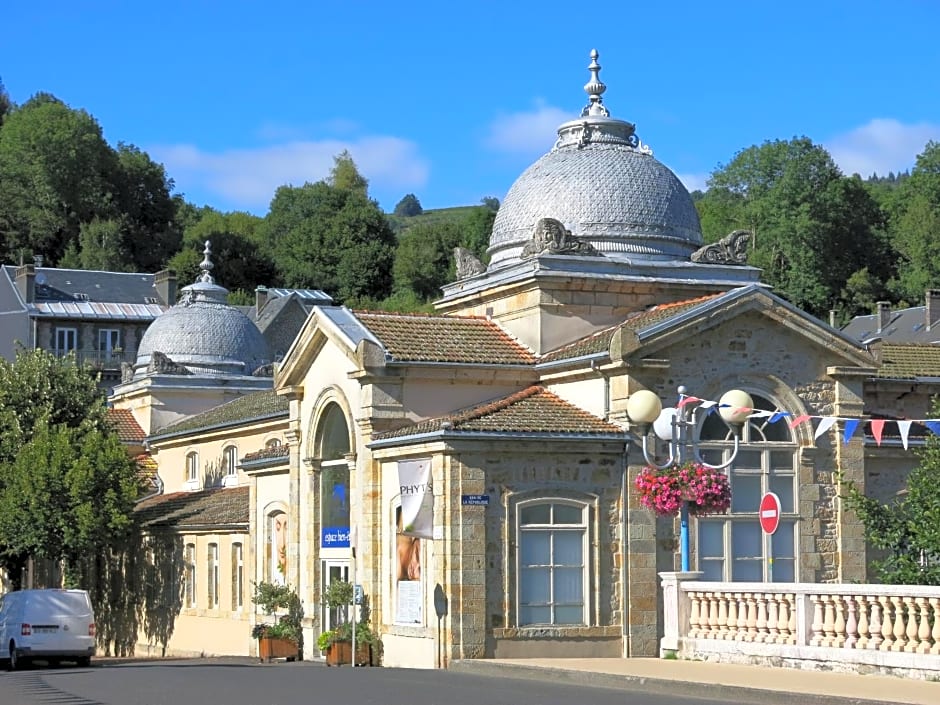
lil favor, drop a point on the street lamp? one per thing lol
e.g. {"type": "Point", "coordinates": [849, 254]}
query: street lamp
{"type": "Point", "coordinates": [677, 426]}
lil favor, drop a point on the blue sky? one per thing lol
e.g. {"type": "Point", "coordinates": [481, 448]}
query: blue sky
{"type": "Point", "coordinates": [451, 101]}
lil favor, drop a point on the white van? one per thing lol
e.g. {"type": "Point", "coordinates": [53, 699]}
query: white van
{"type": "Point", "coordinates": [50, 625]}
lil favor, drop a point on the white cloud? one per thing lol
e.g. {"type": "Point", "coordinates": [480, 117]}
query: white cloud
{"type": "Point", "coordinates": [249, 177]}
{"type": "Point", "coordinates": [528, 132]}
{"type": "Point", "coordinates": [694, 182]}
{"type": "Point", "coordinates": [881, 146]}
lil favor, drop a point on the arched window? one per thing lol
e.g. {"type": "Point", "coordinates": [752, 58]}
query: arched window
{"type": "Point", "coordinates": [333, 435]}
{"type": "Point", "coordinates": [733, 546]}
{"type": "Point", "coordinates": [230, 461]}
{"type": "Point", "coordinates": [192, 467]}
{"type": "Point", "coordinates": [238, 576]}
{"type": "Point", "coordinates": [552, 563]}
{"type": "Point", "coordinates": [212, 573]}
{"type": "Point", "coordinates": [189, 575]}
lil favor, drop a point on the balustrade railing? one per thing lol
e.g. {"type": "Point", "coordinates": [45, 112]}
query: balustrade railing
{"type": "Point", "coordinates": [790, 617]}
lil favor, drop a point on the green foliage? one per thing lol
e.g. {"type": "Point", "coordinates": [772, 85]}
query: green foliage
{"type": "Point", "coordinates": [907, 529]}
{"type": "Point", "coordinates": [408, 206]}
{"type": "Point", "coordinates": [272, 598]}
{"type": "Point", "coordinates": [67, 485]}
{"type": "Point", "coordinates": [346, 177]}
{"type": "Point", "coordinates": [490, 202]}
{"type": "Point", "coordinates": [329, 238]}
{"type": "Point", "coordinates": [6, 104]}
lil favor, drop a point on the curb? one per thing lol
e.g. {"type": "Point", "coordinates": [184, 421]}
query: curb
{"type": "Point", "coordinates": [657, 686]}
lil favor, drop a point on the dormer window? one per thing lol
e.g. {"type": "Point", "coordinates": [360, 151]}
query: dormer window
{"type": "Point", "coordinates": [150, 300]}
{"type": "Point", "coordinates": [80, 296]}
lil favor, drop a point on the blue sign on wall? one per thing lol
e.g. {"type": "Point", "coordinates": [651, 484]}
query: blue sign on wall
{"type": "Point", "coordinates": [480, 500]}
{"type": "Point", "coordinates": [334, 537]}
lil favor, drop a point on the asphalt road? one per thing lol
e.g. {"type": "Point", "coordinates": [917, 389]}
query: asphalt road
{"type": "Point", "coordinates": [246, 682]}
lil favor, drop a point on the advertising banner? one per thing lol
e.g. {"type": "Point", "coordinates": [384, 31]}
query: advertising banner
{"type": "Point", "coordinates": [417, 498]}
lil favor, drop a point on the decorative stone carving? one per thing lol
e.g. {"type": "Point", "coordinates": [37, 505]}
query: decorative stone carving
{"type": "Point", "coordinates": [162, 364]}
{"type": "Point", "coordinates": [264, 370]}
{"type": "Point", "coordinates": [552, 238]}
{"type": "Point", "coordinates": [467, 263]}
{"type": "Point", "coordinates": [731, 249]}
{"type": "Point", "coordinates": [127, 372]}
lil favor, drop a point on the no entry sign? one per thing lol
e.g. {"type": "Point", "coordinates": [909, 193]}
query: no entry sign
{"type": "Point", "coordinates": [769, 512]}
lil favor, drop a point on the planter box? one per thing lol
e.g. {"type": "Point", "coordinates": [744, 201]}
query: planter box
{"type": "Point", "coordinates": [270, 648]}
{"type": "Point", "coordinates": [340, 653]}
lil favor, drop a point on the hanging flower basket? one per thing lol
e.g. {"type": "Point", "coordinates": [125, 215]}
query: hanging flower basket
{"type": "Point", "coordinates": [706, 489]}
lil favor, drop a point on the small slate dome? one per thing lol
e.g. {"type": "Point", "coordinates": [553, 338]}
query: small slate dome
{"type": "Point", "coordinates": [604, 186]}
{"type": "Point", "coordinates": [203, 334]}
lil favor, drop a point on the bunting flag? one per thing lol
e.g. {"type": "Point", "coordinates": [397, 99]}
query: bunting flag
{"type": "Point", "coordinates": [877, 427]}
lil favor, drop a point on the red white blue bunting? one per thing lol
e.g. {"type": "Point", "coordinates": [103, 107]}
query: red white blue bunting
{"type": "Point", "coordinates": [850, 425]}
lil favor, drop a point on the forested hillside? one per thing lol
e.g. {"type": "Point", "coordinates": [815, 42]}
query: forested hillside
{"type": "Point", "coordinates": [826, 241]}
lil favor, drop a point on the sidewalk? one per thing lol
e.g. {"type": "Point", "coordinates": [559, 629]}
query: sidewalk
{"type": "Point", "coordinates": [720, 681]}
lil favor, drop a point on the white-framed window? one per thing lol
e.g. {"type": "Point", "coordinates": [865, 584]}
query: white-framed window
{"type": "Point", "coordinates": [189, 575]}
{"type": "Point", "coordinates": [230, 461]}
{"type": "Point", "coordinates": [192, 467]}
{"type": "Point", "coordinates": [238, 576]}
{"type": "Point", "coordinates": [109, 343]}
{"type": "Point", "coordinates": [732, 546]}
{"type": "Point", "coordinates": [66, 340]}
{"type": "Point", "coordinates": [213, 575]}
{"type": "Point", "coordinates": [552, 562]}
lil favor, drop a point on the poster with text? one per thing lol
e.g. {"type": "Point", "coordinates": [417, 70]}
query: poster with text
{"type": "Point", "coordinates": [417, 498]}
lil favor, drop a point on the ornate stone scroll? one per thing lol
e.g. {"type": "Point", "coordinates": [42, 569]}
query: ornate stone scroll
{"type": "Point", "coordinates": [161, 363]}
{"type": "Point", "coordinates": [731, 249]}
{"type": "Point", "coordinates": [467, 263]}
{"type": "Point", "coordinates": [551, 238]}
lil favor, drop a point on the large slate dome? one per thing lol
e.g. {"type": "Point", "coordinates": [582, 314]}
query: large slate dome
{"type": "Point", "coordinates": [203, 333]}
{"type": "Point", "coordinates": [605, 187]}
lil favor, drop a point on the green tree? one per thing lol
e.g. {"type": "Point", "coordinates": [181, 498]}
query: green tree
{"type": "Point", "coordinates": [914, 216]}
{"type": "Point", "coordinates": [907, 530]}
{"type": "Point", "coordinates": [335, 239]}
{"type": "Point", "coordinates": [101, 245]}
{"type": "Point", "coordinates": [423, 259]}
{"type": "Point", "coordinates": [345, 176]}
{"type": "Point", "coordinates": [813, 228]}
{"type": "Point", "coordinates": [240, 262]}
{"type": "Point", "coordinates": [490, 202]}
{"type": "Point", "coordinates": [6, 103]}
{"type": "Point", "coordinates": [408, 206]}
{"type": "Point", "coordinates": [56, 172]}
{"type": "Point", "coordinates": [67, 485]}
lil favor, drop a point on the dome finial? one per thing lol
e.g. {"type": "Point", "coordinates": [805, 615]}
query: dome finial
{"type": "Point", "coordinates": [206, 266]}
{"type": "Point", "coordinates": [595, 88]}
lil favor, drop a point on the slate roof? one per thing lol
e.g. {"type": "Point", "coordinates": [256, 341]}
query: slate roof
{"type": "Point", "coordinates": [214, 507]}
{"type": "Point", "coordinates": [431, 338]}
{"type": "Point", "coordinates": [250, 407]}
{"type": "Point", "coordinates": [126, 426]}
{"type": "Point", "coordinates": [907, 325]}
{"type": "Point", "coordinates": [599, 342]}
{"type": "Point", "coordinates": [54, 284]}
{"type": "Point", "coordinates": [909, 361]}
{"type": "Point", "coordinates": [534, 410]}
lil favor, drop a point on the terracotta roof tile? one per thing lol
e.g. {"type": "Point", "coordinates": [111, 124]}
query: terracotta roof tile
{"type": "Point", "coordinates": [533, 410]}
{"type": "Point", "coordinates": [899, 361]}
{"type": "Point", "coordinates": [430, 338]}
{"type": "Point", "coordinates": [246, 408]}
{"type": "Point", "coordinates": [126, 426]}
{"type": "Point", "coordinates": [213, 507]}
{"type": "Point", "coordinates": [600, 341]}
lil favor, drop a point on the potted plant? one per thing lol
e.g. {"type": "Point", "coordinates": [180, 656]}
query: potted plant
{"type": "Point", "coordinates": [283, 637]}
{"type": "Point", "coordinates": [336, 643]}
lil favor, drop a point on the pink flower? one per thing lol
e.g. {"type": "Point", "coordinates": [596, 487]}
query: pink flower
{"type": "Point", "coordinates": [706, 489]}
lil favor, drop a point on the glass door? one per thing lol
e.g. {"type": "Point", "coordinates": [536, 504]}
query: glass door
{"type": "Point", "coordinates": [333, 570]}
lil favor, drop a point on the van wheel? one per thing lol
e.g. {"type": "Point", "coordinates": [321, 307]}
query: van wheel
{"type": "Point", "coordinates": [17, 662]}
{"type": "Point", "coordinates": [83, 661]}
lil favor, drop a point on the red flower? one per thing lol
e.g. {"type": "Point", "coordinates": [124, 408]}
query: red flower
{"type": "Point", "coordinates": [706, 489]}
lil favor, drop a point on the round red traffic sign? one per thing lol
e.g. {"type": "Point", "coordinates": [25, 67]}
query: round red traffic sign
{"type": "Point", "coordinates": [769, 512]}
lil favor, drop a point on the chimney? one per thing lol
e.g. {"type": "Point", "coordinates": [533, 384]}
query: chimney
{"type": "Point", "coordinates": [164, 282]}
{"type": "Point", "coordinates": [884, 315]}
{"type": "Point", "coordinates": [832, 318]}
{"type": "Point", "coordinates": [261, 298]}
{"type": "Point", "coordinates": [26, 282]}
{"type": "Point", "coordinates": [37, 260]}
{"type": "Point", "coordinates": [933, 307]}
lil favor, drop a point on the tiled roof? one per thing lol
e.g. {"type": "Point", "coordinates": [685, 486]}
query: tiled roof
{"type": "Point", "coordinates": [600, 341]}
{"type": "Point", "coordinates": [909, 361]}
{"type": "Point", "coordinates": [533, 410]}
{"type": "Point", "coordinates": [219, 506]}
{"type": "Point", "coordinates": [246, 408]}
{"type": "Point", "coordinates": [126, 426]}
{"type": "Point", "coordinates": [146, 469]}
{"type": "Point", "coordinates": [429, 338]}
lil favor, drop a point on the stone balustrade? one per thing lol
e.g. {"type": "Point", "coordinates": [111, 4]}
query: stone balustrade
{"type": "Point", "coordinates": [889, 628]}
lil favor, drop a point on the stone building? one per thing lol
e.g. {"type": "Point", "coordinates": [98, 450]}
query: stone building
{"type": "Point", "coordinates": [473, 470]}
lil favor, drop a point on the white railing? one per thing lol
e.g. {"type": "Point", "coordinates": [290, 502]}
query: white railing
{"type": "Point", "coordinates": [894, 628]}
